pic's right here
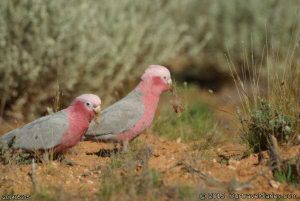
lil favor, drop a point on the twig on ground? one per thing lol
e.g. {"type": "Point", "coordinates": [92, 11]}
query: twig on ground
{"type": "Point", "coordinates": [232, 186]}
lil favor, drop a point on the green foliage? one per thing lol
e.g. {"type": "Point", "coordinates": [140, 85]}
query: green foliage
{"type": "Point", "coordinates": [288, 174]}
{"type": "Point", "coordinates": [194, 123]}
{"type": "Point", "coordinates": [266, 120]}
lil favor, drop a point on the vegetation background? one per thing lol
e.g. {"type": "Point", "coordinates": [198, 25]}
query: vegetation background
{"type": "Point", "coordinates": [70, 47]}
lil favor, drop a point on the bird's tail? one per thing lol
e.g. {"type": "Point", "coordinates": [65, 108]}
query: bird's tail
{"type": "Point", "coordinates": [7, 140]}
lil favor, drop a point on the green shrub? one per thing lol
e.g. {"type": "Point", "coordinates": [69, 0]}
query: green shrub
{"type": "Point", "coordinates": [264, 121]}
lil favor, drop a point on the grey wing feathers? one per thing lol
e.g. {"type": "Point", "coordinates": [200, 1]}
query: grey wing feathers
{"type": "Point", "coordinates": [43, 133]}
{"type": "Point", "coordinates": [118, 117]}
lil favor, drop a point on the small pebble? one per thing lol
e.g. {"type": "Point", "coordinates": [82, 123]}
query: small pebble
{"type": "Point", "coordinates": [231, 167]}
{"type": "Point", "coordinates": [233, 162]}
{"type": "Point", "coordinates": [274, 184]}
{"type": "Point", "coordinates": [156, 154]}
{"type": "Point", "coordinates": [89, 181]}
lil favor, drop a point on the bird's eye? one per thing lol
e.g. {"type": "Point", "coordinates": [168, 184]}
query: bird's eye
{"type": "Point", "coordinates": [165, 77]}
{"type": "Point", "coordinates": [88, 104]}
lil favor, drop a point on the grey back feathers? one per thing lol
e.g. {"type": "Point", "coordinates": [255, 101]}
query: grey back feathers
{"type": "Point", "coordinates": [43, 133]}
{"type": "Point", "coordinates": [118, 117]}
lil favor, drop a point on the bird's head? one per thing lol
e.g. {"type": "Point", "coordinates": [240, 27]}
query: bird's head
{"type": "Point", "coordinates": [158, 77]}
{"type": "Point", "coordinates": [89, 103]}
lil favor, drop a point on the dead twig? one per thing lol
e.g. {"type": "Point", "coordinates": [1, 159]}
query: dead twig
{"type": "Point", "coordinates": [232, 186]}
{"type": "Point", "coordinates": [274, 153]}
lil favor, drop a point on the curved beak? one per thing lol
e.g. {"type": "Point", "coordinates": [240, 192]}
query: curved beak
{"type": "Point", "coordinates": [97, 111]}
{"type": "Point", "coordinates": [170, 85]}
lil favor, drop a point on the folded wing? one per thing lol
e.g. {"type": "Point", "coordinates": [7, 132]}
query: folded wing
{"type": "Point", "coordinates": [43, 133]}
{"type": "Point", "coordinates": [118, 117]}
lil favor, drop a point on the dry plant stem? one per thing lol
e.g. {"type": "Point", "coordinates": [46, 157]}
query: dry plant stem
{"type": "Point", "coordinates": [176, 101]}
{"type": "Point", "coordinates": [274, 152]}
{"type": "Point", "coordinates": [298, 165]}
{"type": "Point", "coordinates": [124, 146]}
{"type": "Point", "coordinates": [32, 175]}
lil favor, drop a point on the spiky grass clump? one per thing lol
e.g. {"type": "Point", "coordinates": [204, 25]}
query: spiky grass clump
{"type": "Point", "coordinates": [270, 111]}
{"type": "Point", "coordinates": [288, 174]}
{"type": "Point", "coordinates": [270, 99]}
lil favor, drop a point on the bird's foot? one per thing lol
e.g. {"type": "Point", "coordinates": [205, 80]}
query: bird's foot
{"type": "Point", "coordinates": [45, 157]}
{"type": "Point", "coordinates": [124, 146]}
{"type": "Point", "coordinates": [68, 162]}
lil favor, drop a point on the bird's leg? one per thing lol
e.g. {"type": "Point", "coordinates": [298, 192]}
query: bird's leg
{"type": "Point", "coordinates": [45, 157]}
{"type": "Point", "coordinates": [61, 157]}
{"type": "Point", "coordinates": [124, 146]}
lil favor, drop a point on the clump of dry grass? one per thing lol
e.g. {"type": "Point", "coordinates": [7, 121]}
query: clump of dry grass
{"type": "Point", "coordinates": [270, 111]}
{"type": "Point", "coordinates": [270, 100]}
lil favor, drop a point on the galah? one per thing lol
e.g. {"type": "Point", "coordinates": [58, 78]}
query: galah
{"type": "Point", "coordinates": [59, 131]}
{"type": "Point", "coordinates": [130, 116]}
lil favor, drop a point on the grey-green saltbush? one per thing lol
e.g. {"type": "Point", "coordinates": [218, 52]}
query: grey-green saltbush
{"type": "Point", "coordinates": [96, 46]}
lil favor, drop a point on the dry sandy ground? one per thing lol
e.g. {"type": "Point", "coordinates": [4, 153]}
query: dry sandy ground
{"type": "Point", "coordinates": [81, 181]}
{"type": "Point", "coordinates": [177, 162]}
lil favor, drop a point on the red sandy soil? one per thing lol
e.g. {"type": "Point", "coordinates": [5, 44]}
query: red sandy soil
{"type": "Point", "coordinates": [170, 158]}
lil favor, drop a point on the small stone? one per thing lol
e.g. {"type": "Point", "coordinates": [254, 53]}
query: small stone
{"type": "Point", "coordinates": [214, 160]}
{"type": "Point", "coordinates": [233, 162]}
{"type": "Point", "coordinates": [89, 181]}
{"type": "Point", "coordinates": [231, 167]}
{"type": "Point", "coordinates": [274, 184]}
{"type": "Point", "coordinates": [156, 154]}
{"type": "Point", "coordinates": [178, 140]}
{"type": "Point", "coordinates": [86, 174]}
